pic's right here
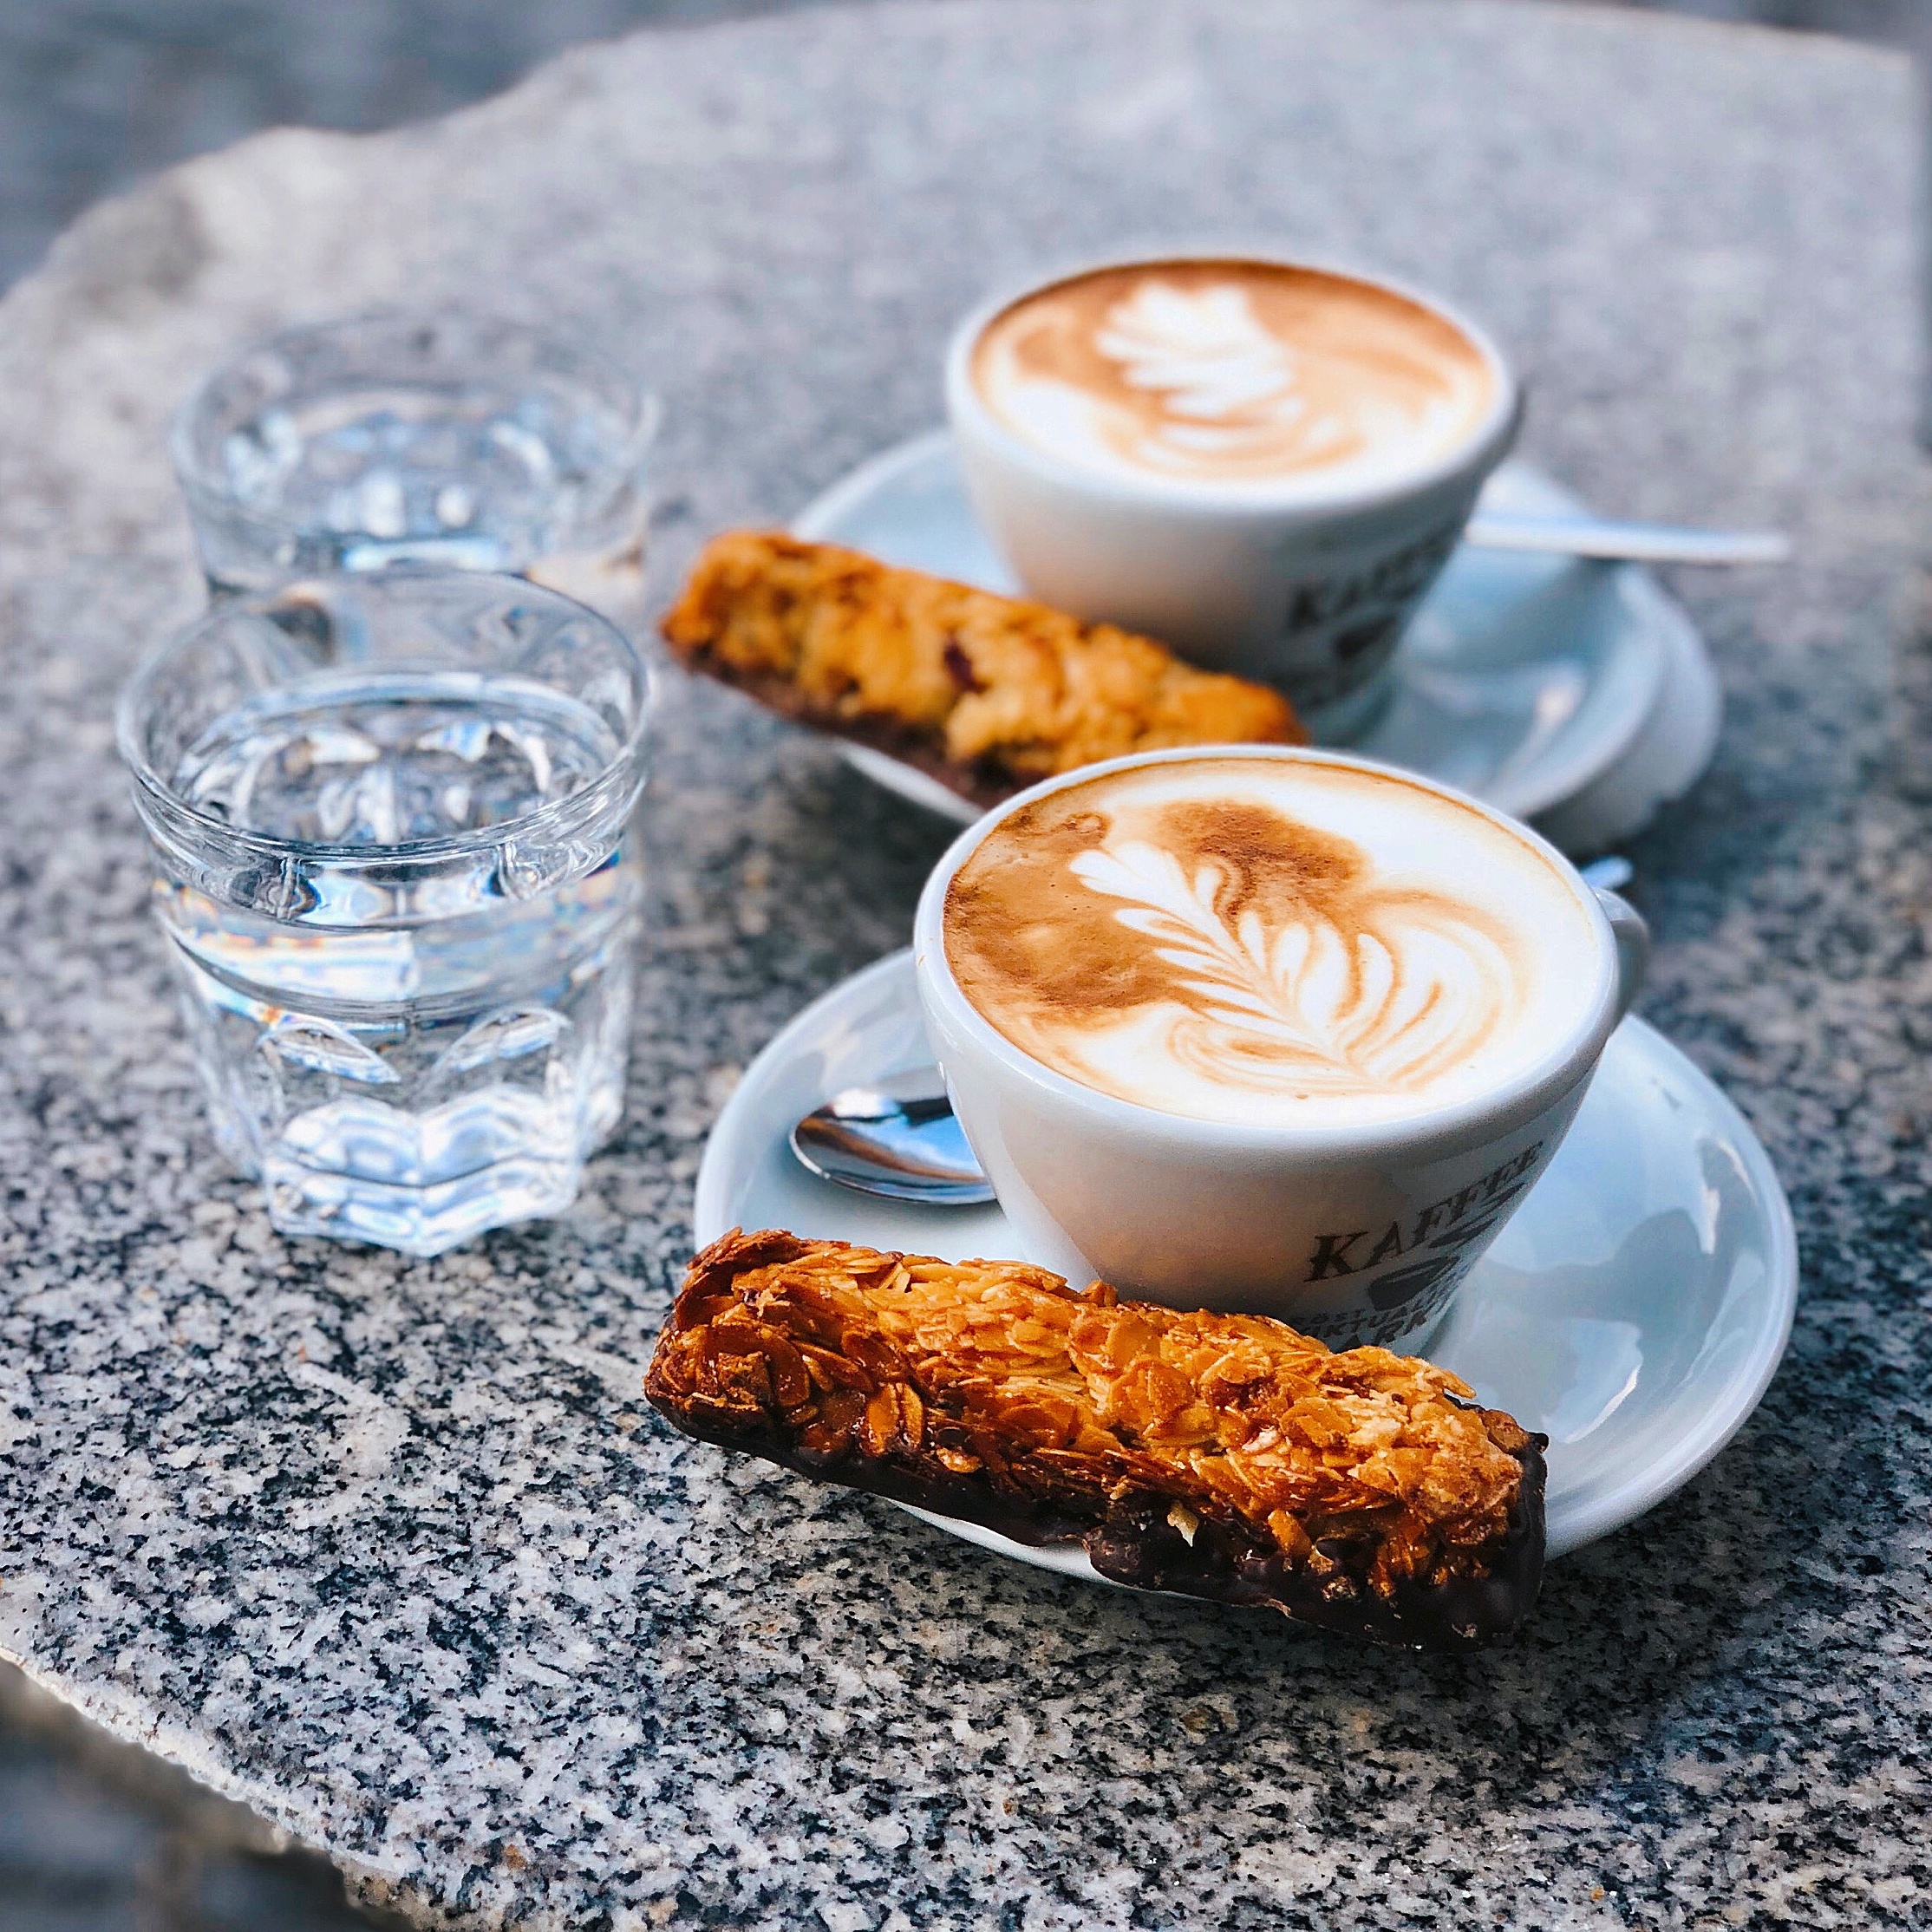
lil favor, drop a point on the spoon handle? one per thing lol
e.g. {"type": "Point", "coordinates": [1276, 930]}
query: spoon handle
{"type": "Point", "coordinates": [1632, 543]}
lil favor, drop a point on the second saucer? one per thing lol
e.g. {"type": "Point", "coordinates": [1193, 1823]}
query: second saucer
{"type": "Point", "coordinates": [1577, 694]}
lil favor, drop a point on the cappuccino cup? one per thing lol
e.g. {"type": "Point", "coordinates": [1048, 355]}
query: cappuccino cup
{"type": "Point", "coordinates": [1266, 1030]}
{"type": "Point", "coordinates": [1262, 463]}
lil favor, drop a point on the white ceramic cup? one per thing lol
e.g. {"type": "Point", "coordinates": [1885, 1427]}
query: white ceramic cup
{"type": "Point", "coordinates": [1306, 587]}
{"type": "Point", "coordinates": [1356, 1232]}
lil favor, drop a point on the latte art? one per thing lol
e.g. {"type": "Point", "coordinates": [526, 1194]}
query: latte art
{"type": "Point", "coordinates": [1233, 374]}
{"type": "Point", "coordinates": [1206, 937]}
{"type": "Point", "coordinates": [1338, 998]}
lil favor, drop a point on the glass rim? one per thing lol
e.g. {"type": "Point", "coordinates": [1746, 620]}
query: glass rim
{"type": "Point", "coordinates": [558, 815]}
{"type": "Point", "coordinates": [644, 410]}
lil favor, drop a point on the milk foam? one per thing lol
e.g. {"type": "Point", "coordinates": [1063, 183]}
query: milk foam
{"type": "Point", "coordinates": [1271, 943]}
{"type": "Point", "coordinates": [1233, 375]}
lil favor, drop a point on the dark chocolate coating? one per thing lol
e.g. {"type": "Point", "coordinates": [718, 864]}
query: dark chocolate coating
{"type": "Point", "coordinates": [1135, 1545]}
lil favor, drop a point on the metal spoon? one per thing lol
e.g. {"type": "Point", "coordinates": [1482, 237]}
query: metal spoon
{"type": "Point", "coordinates": [909, 1147]}
{"type": "Point", "coordinates": [1631, 543]}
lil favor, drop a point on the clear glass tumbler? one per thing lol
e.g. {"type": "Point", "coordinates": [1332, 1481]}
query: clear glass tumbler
{"type": "Point", "coordinates": [455, 441]}
{"type": "Point", "coordinates": [389, 818]}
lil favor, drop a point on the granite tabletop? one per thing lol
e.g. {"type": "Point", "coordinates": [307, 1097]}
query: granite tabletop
{"type": "Point", "coordinates": [392, 1550]}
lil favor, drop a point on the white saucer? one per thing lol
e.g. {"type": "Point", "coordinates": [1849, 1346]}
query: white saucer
{"type": "Point", "coordinates": [1576, 694]}
{"type": "Point", "coordinates": [1634, 1309]}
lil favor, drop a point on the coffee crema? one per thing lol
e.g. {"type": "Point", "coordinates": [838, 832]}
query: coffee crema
{"type": "Point", "coordinates": [1271, 942]}
{"type": "Point", "coordinates": [1251, 376]}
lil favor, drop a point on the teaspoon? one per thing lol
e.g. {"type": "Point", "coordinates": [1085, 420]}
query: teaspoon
{"type": "Point", "coordinates": [1630, 543]}
{"type": "Point", "coordinates": [906, 1149]}
{"type": "Point", "coordinates": [910, 1147]}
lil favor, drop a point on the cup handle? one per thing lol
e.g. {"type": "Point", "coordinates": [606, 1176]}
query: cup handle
{"type": "Point", "coordinates": [1632, 935]}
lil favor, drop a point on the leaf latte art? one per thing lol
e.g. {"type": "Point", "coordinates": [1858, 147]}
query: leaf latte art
{"type": "Point", "coordinates": [1206, 938]}
{"type": "Point", "coordinates": [1381, 1002]}
{"type": "Point", "coordinates": [1247, 375]}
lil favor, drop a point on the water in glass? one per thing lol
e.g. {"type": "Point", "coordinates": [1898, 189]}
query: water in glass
{"type": "Point", "coordinates": [410, 995]}
{"type": "Point", "coordinates": [455, 441]}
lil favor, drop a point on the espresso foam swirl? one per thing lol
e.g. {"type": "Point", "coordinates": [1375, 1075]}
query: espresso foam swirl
{"type": "Point", "coordinates": [1206, 938]}
{"type": "Point", "coordinates": [1240, 374]}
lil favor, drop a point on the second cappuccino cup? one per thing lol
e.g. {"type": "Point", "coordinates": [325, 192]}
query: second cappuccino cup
{"type": "Point", "coordinates": [1266, 1030]}
{"type": "Point", "coordinates": [1262, 463]}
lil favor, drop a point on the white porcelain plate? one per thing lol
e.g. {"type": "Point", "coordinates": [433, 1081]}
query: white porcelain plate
{"type": "Point", "coordinates": [1576, 694]}
{"type": "Point", "coordinates": [1634, 1309]}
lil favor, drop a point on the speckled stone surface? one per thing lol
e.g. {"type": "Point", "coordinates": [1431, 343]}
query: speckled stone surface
{"type": "Point", "coordinates": [392, 1550]}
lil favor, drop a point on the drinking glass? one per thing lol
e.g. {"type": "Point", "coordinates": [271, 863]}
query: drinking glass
{"type": "Point", "coordinates": [389, 820]}
{"type": "Point", "coordinates": [456, 441]}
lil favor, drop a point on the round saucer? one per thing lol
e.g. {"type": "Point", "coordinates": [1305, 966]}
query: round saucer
{"type": "Point", "coordinates": [1634, 1309]}
{"type": "Point", "coordinates": [1576, 694]}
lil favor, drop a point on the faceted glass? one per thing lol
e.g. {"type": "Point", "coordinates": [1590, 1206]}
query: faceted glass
{"type": "Point", "coordinates": [453, 440]}
{"type": "Point", "coordinates": [389, 816]}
